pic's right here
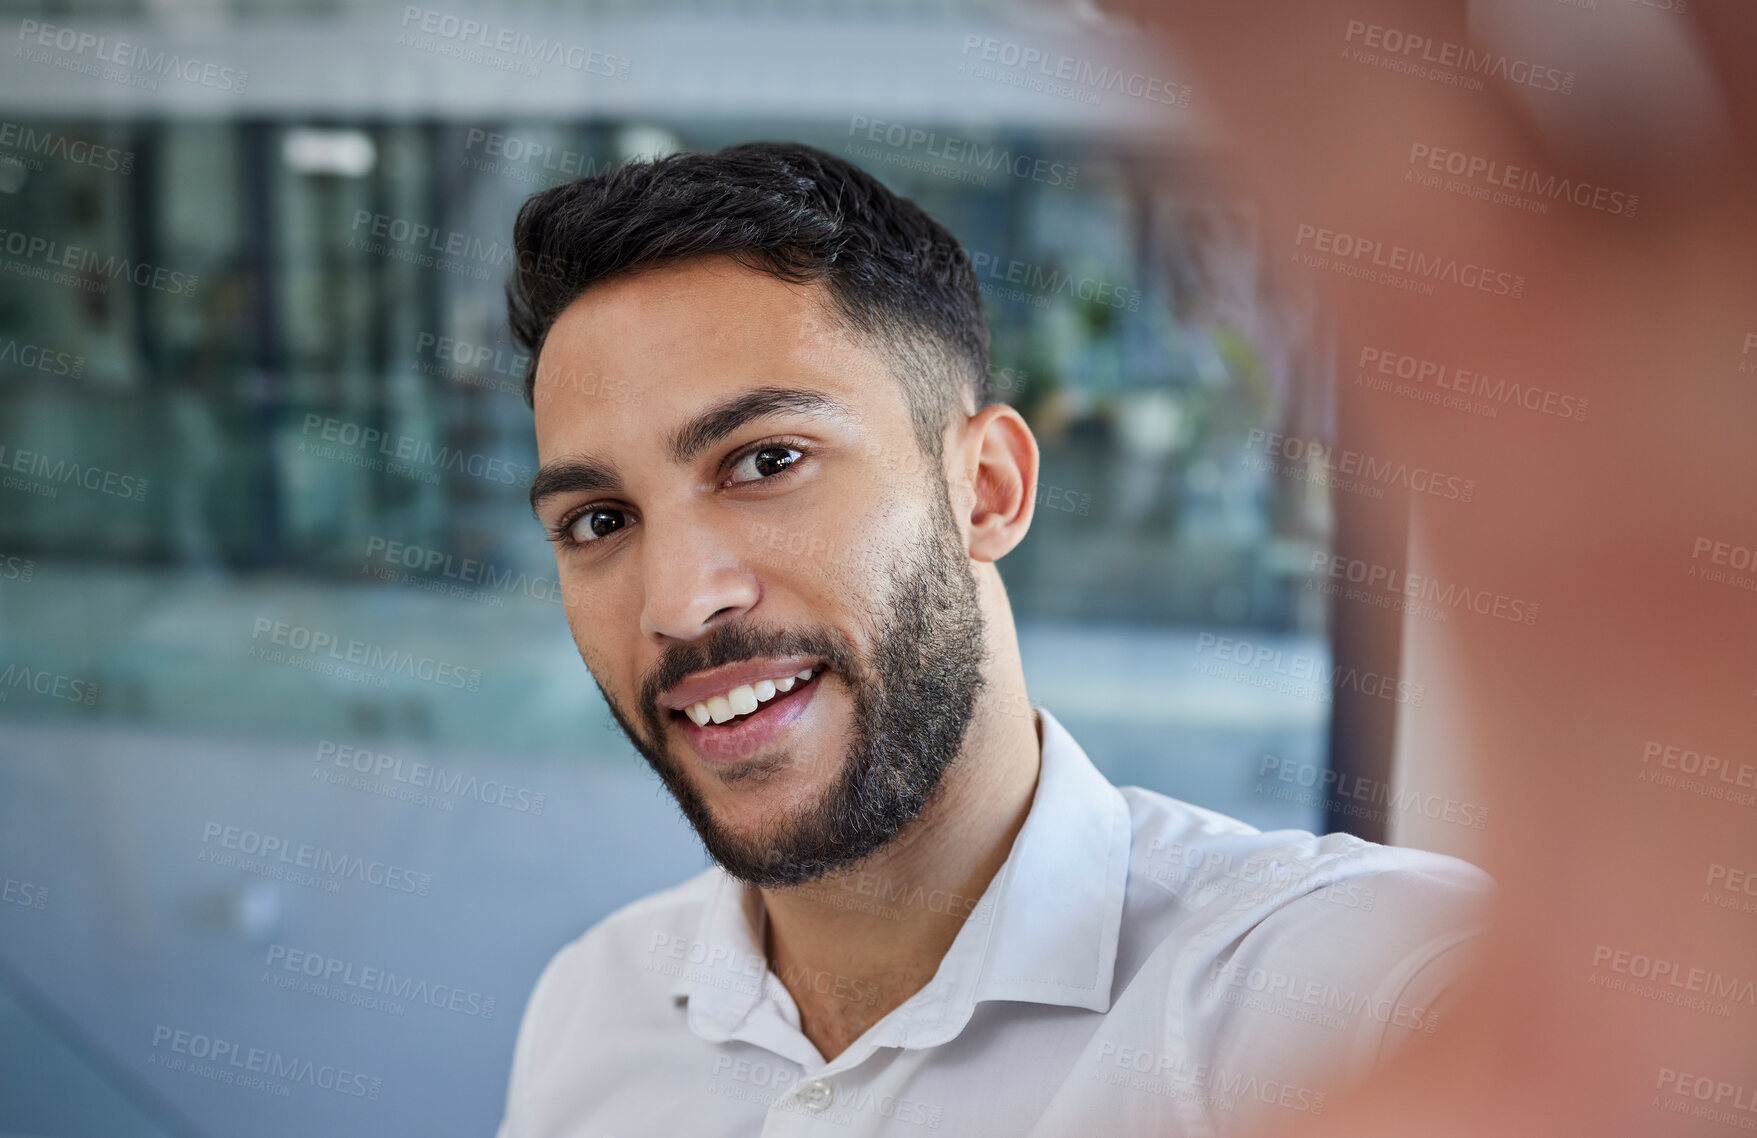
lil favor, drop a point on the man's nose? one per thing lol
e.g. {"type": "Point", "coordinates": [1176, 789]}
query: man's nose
{"type": "Point", "coordinates": [693, 580]}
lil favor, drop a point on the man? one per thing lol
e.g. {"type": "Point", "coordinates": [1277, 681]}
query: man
{"type": "Point", "coordinates": [778, 489]}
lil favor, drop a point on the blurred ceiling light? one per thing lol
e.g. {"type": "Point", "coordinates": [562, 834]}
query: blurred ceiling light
{"type": "Point", "coordinates": [349, 153]}
{"type": "Point", "coordinates": [637, 142]}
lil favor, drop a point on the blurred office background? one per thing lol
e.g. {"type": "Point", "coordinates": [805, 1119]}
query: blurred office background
{"type": "Point", "coordinates": [256, 390]}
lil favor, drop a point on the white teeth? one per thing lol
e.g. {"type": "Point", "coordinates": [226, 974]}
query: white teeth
{"type": "Point", "coordinates": [744, 699]}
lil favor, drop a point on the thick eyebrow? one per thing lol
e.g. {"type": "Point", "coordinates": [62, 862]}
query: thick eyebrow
{"type": "Point", "coordinates": [723, 418]}
{"type": "Point", "coordinates": [572, 475]}
{"type": "Point", "coordinates": [567, 475]}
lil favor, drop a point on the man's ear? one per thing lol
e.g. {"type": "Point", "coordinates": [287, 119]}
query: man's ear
{"type": "Point", "coordinates": [998, 457]}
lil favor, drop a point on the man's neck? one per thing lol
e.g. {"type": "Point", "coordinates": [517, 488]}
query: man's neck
{"type": "Point", "coordinates": [851, 947]}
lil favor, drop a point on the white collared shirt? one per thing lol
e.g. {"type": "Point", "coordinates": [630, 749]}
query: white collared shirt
{"type": "Point", "coordinates": [1137, 966]}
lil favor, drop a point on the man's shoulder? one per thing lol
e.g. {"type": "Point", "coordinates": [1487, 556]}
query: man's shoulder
{"type": "Point", "coordinates": [1266, 946]}
{"type": "Point", "coordinates": [1209, 862]}
{"type": "Point", "coordinates": [1216, 893]}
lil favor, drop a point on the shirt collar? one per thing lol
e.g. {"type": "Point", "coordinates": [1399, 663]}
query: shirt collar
{"type": "Point", "coordinates": [727, 949]}
{"type": "Point", "coordinates": [1045, 930]}
{"type": "Point", "coordinates": [1058, 900]}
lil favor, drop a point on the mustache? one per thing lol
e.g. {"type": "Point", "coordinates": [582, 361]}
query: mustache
{"type": "Point", "coordinates": [733, 643]}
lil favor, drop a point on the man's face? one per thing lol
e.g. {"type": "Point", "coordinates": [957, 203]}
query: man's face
{"type": "Point", "coordinates": [760, 567]}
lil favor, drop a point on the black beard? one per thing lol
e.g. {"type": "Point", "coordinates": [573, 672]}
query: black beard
{"type": "Point", "coordinates": [913, 701]}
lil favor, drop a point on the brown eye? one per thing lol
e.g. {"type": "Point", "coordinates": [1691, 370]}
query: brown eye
{"type": "Point", "coordinates": [596, 524]}
{"type": "Point", "coordinates": [764, 463]}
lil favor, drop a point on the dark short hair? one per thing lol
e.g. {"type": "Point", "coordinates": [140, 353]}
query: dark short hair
{"type": "Point", "coordinates": [894, 275]}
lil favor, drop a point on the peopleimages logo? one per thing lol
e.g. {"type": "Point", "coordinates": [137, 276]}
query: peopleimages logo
{"type": "Point", "coordinates": [891, 891]}
{"type": "Point", "coordinates": [1398, 265]}
{"type": "Point", "coordinates": [524, 49]}
{"type": "Point", "coordinates": [167, 64]}
{"type": "Point", "coordinates": [1188, 867]}
{"type": "Point", "coordinates": [1271, 669]}
{"type": "Point", "coordinates": [277, 853]}
{"type": "Point", "coordinates": [1410, 48]}
{"type": "Point", "coordinates": [1736, 773]}
{"type": "Point", "coordinates": [451, 250]}
{"type": "Point", "coordinates": [89, 261]}
{"type": "Point", "coordinates": [768, 1085]}
{"type": "Point", "coordinates": [1036, 284]}
{"type": "Point", "coordinates": [38, 358]}
{"type": "Point", "coordinates": [23, 893]}
{"type": "Point", "coordinates": [1729, 887]}
{"type": "Point", "coordinates": [466, 571]}
{"type": "Point", "coordinates": [1327, 784]}
{"type": "Point", "coordinates": [1276, 985]}
{"type": "Point", "coordinates": [392, 661]}
{"type": "Point", "coordinates": [1518, 178]}
{"type": "Point", "coordinates": [404, 452]}
{"type": "Point", "coordinates": [479, 357]}
{"type": "Point", "coordinates": [1728, 564]}
{"type": "Point", "coordinates": [1354, 464]}
{"type": "Point", "coordinates": [64, 472]}
{"type": "Point", "coordinates": [347, 982]}
{"type": "Point", "coordinates": [1711, 1096]}
{"type": "Point", "coordinates": [44, 682]}
{"type": "Point", "coordinates": [1066, 75]}
{"type": "Point", "coordinates": [1466, 390]}
{"type": "Point", "coordinates": [518, 152]}
{"type": "Point", "coordinates": [1171, 1075]}
{"type": "Point", "coordinates": [232, 1062]}
{"type": "Point", "coordinates": [1675, 983]}
{"type": "Point", "coordinates": [987, 158]}
{"type": "Point", "coordinates": [29, 144]}
{"type": "Point", "coordinates": [1430, 590]}
{"type": "Point", "coordinates": [426, 776]}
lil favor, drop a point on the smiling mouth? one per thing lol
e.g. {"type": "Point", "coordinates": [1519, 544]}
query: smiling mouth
{"type": "Point", "coordinates": [735, 706]}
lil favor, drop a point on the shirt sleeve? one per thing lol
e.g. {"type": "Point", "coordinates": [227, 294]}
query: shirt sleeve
{"type": "Point", "coordinates": [514, 1121]}
{"type": "Point", "coordinates": [1333, 983]}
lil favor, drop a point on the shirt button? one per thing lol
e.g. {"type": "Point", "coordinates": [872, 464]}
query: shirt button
{"type": "Point", "coordinates": [816, 1094]}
